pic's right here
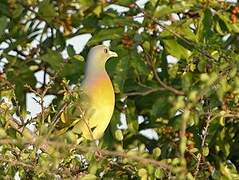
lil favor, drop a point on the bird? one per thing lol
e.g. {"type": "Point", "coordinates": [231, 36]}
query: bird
{"type": "Point", "coordinates": [97, 99]}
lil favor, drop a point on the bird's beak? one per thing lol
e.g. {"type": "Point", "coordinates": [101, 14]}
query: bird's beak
{"type": "Point", "coordinates": [113, 54]}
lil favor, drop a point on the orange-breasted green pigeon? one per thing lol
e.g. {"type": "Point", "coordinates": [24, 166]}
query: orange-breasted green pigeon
{"type": "Point", "coordinates": [98, 99]}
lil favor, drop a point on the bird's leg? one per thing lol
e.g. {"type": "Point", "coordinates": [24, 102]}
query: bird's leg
{"type": "Point", "coordinates": [98, 153]}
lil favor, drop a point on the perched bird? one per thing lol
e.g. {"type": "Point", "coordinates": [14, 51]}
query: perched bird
{"type": "Point", "coordinates": [98, 99]}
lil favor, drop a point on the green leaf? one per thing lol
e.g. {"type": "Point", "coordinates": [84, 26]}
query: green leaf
{"type": "Point", "coordinates": [106, 34]}
{"type": "Point", "coordinates": [204, 30]}
{"type": "Point", "coordinates": [3, 24]}
{"type": "Point", "coordinates": [47, 10]}
{"type": "Point", "coordinates": [160, 106]}
{"type": "Point", "coordinates": [73, 69]}
{"type": "Point", "coordinates": [139, 65]}
{"type": "Point", "coordinates": [165, 9]}
{"type": "Point", "coordinates": [85, 4]}
{"type": "Point", "coordinates": [124, 2]}
{"type": "Point", "coordinates": [60, 41]}
{"type": "Point", "coordinates": [175, 49]}
{"type": "Point", "coordinates": [4, 9]}
{"type": "Point", "coordinates": [112, 19]}
{"type": "Point", "coordinates": [120, 74]}
{"type": "Point", "coordinates": [90, 23]}
{"type": "Point", "coordinates": [70, 50]}
{"type": "Point", "coordinates": [18, 10]}
{"type": "Point", "coordinates": [53, 58]}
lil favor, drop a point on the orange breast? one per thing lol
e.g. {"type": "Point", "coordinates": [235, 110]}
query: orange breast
{"type": "Point", "coordinates": [100, 93]}
{"type": "Point", "coordinates": [100, 90]}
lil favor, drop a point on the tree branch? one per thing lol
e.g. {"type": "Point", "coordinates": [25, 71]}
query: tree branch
{"type": "Point", "coordinates": [153, 68]}
{"type": "Point", "coordinates": [144, 93]}
{"type": "Point", "coordinates": [16, 163]}
{"type": "Point", "coordinates": [86, 149]}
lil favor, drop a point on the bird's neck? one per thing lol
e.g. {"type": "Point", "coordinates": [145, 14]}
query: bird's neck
{"type": "Point", "coordinates": [95, 69]}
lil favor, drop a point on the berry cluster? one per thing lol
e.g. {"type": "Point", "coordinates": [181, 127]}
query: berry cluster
{"type": "Point", "coordinates": [127, 41]}
{"type": "Point", "coordinates": [234, 12]}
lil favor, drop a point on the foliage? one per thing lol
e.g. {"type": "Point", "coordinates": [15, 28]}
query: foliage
{"type": "Point", "coordinates": [191, 105]}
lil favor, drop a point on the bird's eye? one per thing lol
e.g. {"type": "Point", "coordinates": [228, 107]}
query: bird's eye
{"type": "Point", "coordinates": [106, 50]}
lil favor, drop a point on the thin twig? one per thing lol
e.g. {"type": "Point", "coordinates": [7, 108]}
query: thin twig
{"type": "Point", "coordinates": [44, 77]}
{"type": "Point", "coordinates": [56, 118]}
{"type": "Point", "coordinates": [144, 93]}
{"type": "Point", "coordinates": [175, 91]}
{"type": "Point", "coordinates": [204, 135]}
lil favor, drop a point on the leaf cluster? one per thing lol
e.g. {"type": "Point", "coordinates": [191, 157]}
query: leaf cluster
{"type": "Point", "coordinates": [176, 84]}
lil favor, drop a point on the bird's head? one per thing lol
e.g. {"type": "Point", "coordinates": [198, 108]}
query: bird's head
{"type": "Point", "coordinates": [97, 58]}
{"type": "Point", "coordinates": [101, 53]}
